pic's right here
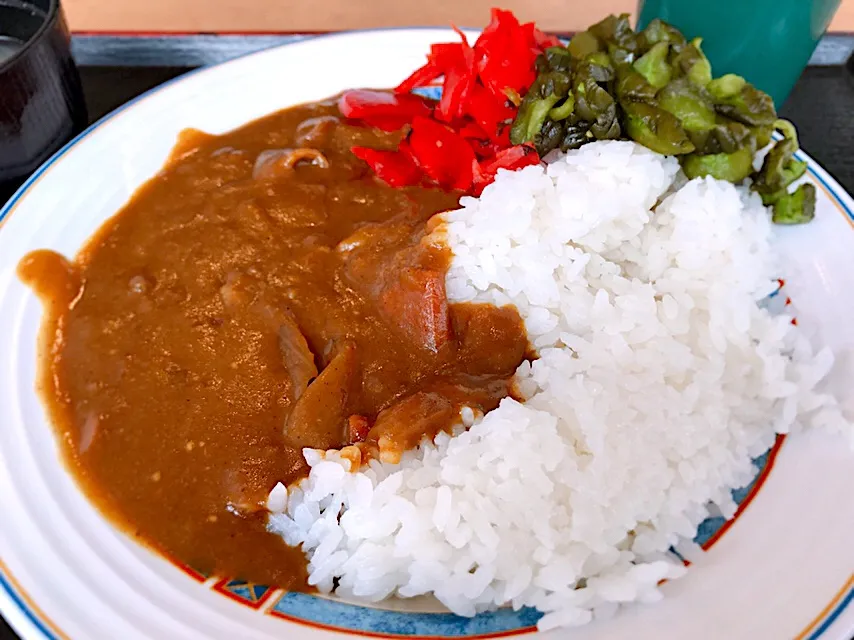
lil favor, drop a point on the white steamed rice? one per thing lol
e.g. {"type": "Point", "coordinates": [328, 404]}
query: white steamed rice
{"type": "Point", "coordinates": [660, 376]}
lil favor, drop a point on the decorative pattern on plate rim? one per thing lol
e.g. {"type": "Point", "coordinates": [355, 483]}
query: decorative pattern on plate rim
{"type": "Point", "coordinates": [246, 593]}
{"type": "Point", "coordinates": [329, 613]}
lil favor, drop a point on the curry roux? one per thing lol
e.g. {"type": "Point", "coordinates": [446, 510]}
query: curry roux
{"type": "Point", "coordinates": [176, 347]}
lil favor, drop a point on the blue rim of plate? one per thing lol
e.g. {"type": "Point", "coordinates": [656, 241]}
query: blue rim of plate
{"type": "Point", "coordinates": [343, 617]}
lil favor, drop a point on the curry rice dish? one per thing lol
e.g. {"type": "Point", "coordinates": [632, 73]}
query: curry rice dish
{"type": "Point", "coordinates": [507, 348]}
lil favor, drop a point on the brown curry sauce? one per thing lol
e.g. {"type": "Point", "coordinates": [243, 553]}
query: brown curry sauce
{"type": "Point", "coordinates": [177, 346]}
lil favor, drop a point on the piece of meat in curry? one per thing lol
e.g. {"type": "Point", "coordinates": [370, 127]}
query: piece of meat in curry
{"type": "Point", "coordinates": [251, 300]}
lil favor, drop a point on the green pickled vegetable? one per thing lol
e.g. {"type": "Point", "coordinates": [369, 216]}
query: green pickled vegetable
{"type": "Point", "coordinates": [616, 31]}
{"type": "Point", "coordinates": [732, 167]}
{"type": "Point", "coordinates": [749, 106]}
{"type": "Point", "coordinates": [656, 129]}
{"type": "Point", "coordinates": [656, 88]}
{"type": "Point", "coordinates": [787, 129]}
{"type": "Point", "coordinates": [600, 59]}
{"type": "Point", "coordinates": [795, 208]}
{"type": "Point", "coordinates": [582, 44]}
{"type": "Point", "coordinates": [554, 59]}
{"type": "Point", "coordinates": [653, 65]}
{"type": "Point", "coordinates": [530, 119]}
{"type": "Point", "coordinates": [607, 126]}
{"type": "Point", "coordinates": [763, 136]}
{"type": "Point", "coordinates": [620, 55]}
{"type": "Point", "coordinates": [702, 142]}
{"type": "Point", "coordinates": [785, 177]}
{"type": "Point", "coordinates": [544, 94]}
{"type": "Point", "coordinates": [575, 136]}
{"type": "Point", "coordinates": [726, 86]}
{"type": "Point", "coordinates": [691, 61]}
{"type": "Point", "coordinates": [779, 169]}
{"type": "Point", "coordinates": [728, 136]}
{"type": "Point", "coordinates": [695, 112]}
{"type": "Point", "coordinates": [595, 105]}
{"type": "Point", "coordinates": [563, 110]}
{"type": "Point", "coordinates": [659, 31]}
{"type": "Point", "coordinates": [792, 171]}
{"type": "Point", "coordinates": [596, 67]}
{"type": "Point", "coordinates": [632, 86]}
{"type": "Point", "coordinates": [583, 107]}
{"type": "Point", "coordinates": [616, 35]}
{"type": "Point", "coordinates": [550, 137]}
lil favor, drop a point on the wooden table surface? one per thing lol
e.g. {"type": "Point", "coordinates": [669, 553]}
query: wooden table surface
{"type": "Point", "coordinates": [333, 15]}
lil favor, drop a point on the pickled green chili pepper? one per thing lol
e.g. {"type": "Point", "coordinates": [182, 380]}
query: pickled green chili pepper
{"type": "Point", "coordinates": [550, 137]}
{"type": "Point", "coordinates": [789, 174]}
{"type": "Point", "coordinates": [601, 59]}
{"type": "Point", "coordinates": [728, 136]}
{"type": "Point", "coordinates": [653, 65]}
{"type": "Point", "coordinates": [732, 167]}
{"type": "Point", "coordinates": [749, 106]}
{"type": "Point", "coordinates": [632, 86]}
{"type": "Point", "coordinates": [620, 55]}
{"type": "Point", "coordinates": [694, 64]}
{"type": "Point", "coordinates": [563, 110]}
{"type": "Point", "coordinates": [554, 59]}
{"type": "Point", "coordinates": [659, 31]}
{"type": "Point", "coordinates": [682, 99]}
{"type": "Point", "coordinates": [762, 135]}
{"type": "Point", "coordinates": [582, 104]}
{"type": "Point", "coordinates": [615, 31]}
{"type": "Point", "coordinates": [792, 171]}
{"type": "Point", "coordinates": [726, 86]}
{"type": "Point", "coordinates": [582, 44]}
{"type": "Point", "coordinates": [780, 169]}
{"type": "Point", "coordinates": [795, 208]}
{"type": "Point", "coordinates": [532, 115]}
{"type": "Point", "coordinates": [576, 135]}
{"type": "Point", "coordinates": [544, 94]}
{"type": "Point", "coordinates": [787, 129]}
{"type": "Point", "coordinates": [595, 105]}
{"type": "Point", "coordinates": [656, 129]}
{"type": "Point", "coordinates": [596, 67]}
{"type": "Point", "coordinates": [775, 163]}
{"type": "Point", "coordinates": [607, 125]}
{"type": "Point", "coordinates": [616, 37]}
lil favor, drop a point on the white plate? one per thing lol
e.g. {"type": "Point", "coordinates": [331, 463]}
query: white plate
{"type": "Point", "coordinates": [783, 569]}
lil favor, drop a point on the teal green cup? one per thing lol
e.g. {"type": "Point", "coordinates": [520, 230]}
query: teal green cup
{"type": "Point", "coordinates": [769, 42]}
